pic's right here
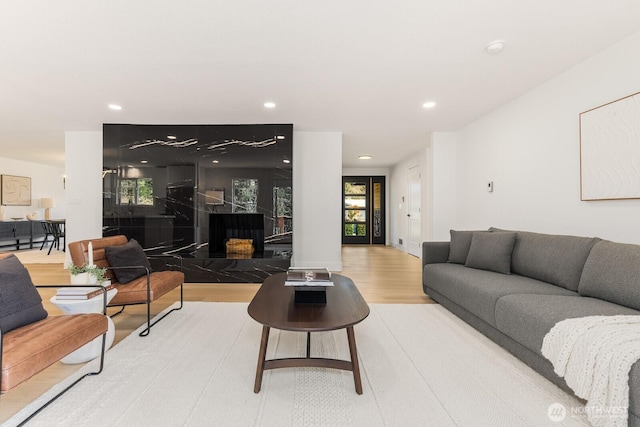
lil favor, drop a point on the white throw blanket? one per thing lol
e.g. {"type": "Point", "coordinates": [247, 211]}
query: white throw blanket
{"type": "Point", "coordinates": [594, 355]}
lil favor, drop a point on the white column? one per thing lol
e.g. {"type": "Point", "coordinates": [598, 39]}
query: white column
{"type": "Point", "coordinates": [317, 204]}
{"type": "Point", "coordinates": [83, 162]}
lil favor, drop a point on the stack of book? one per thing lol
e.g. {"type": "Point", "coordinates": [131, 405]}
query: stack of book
{"type": "Point", "coordinates": [308, 277]}
{"type": "Point", "coordinates": [81, 292]}
{"type": "Point", "coordinates": [310, 284]}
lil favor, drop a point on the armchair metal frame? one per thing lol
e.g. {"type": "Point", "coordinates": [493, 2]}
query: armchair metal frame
{"type": "Point", "coordinates": [146, 331]}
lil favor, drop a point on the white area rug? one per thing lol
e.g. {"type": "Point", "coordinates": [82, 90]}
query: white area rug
{"type": "Point", "coordinates": [420, 365]}
{"type": "Point", "coordinates": [37, 256]}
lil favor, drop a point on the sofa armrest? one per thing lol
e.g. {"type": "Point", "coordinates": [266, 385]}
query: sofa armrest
{"type": "Point", "coordinates": [434, 252]}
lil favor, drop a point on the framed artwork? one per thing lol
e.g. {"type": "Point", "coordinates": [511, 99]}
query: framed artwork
{"type": "Point", "coordinates": [16, 190]}
{"type": "Point", "coordinates": [610, 150]}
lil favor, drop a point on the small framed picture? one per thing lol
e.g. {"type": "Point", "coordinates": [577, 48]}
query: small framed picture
{"type": "Point", "coordinates": [214, 197]}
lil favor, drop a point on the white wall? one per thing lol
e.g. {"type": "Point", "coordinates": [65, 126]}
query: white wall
{"type": "Point", "coordinates": [443, 212]}
{"type": "Point", "coordinates": [317, 199]}
{"type": "Point", "coordinates": [46, 181]}
{"type": "Point", "coordinates": [365, 172]}
{"type": "Point", "coordinates": [530, 149]}
{"type": "Point", "coordinates": [398, 187]}
{"type": "Point", "coordinates": [83, 161]}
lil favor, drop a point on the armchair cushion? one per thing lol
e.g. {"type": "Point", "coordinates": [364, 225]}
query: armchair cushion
{"type": "Point", "coordinates": [20, 302]}
{"type": "Point", "coordinates": [128, 255]}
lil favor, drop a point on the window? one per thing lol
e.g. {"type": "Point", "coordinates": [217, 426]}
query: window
{"type": "Point", "coordinates": [136, 191]}
{"type": "Point", "coordinates": [245, 195]}
{"type": "Point", "coordinates": [282, 210]}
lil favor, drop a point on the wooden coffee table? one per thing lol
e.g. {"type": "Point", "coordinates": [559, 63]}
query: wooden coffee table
{"type": "Point", "coordinates": [273, 307]}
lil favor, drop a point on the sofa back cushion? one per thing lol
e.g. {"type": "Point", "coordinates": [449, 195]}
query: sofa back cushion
{"type": "Point", "coordinates": [491, 251]}
{"type": "Point", "coordinates": [551, 258]}
{"type": "Point", "coordinates": [612, 273]}
{"type": "Point", "coordinates": [20, 302]}
{"type": "Point", "coordinates": [459, 246]}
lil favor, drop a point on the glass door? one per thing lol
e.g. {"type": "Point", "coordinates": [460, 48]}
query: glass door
{"type": "Point", "coordinates": [363, 210]}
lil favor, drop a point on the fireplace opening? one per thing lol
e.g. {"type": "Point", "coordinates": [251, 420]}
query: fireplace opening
{"type": "Point", "coordinates": [224, 226]}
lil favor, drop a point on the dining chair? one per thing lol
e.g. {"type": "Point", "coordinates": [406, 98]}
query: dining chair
{"type": "Point", "coordinates": [48, 231]}
{"type": "Point", "coordinates": [59, 233]}
{"type": "Point", "coordinates": [55, 230]}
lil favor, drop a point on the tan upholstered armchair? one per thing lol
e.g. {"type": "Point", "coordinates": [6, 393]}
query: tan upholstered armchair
{"type": "Point", "coordinates": [142, 290]}
{"type": "Point", "coordinates": [30, 339]}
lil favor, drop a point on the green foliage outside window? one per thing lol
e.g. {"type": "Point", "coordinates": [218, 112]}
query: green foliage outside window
{"type": "Point", "coordinates": [355, 230]}
{"type": "Point", "coordinates": [349, 230]}
{"type": "Point", "coordinates": [136, 191]}
{"type": "Point", "coordinates": [245, 195]}
{"type": "Point", "coordinates": [145, 191]}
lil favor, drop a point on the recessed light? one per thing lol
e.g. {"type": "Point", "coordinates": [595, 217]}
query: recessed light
{"type": "Point", "coordinates": [287, 161]}
{"type": "Point", "coordinates": [215, 161]}
{"type": "Point", "coordinates": [144, 161]}
{"type": "Point", "coordinates": [495, 46]}
{"type": "Point", "coordinates": [270, 105]}
{"type": "Point", "coordinates": [429, 104]}
{"type": "Point", "coordinates": [365, 157]}
{"type": "Point", "coordinates": [171, 137]}
{"type": "Point", "coordinates": [115, 107]}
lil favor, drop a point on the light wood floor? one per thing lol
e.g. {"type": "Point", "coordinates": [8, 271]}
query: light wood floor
{"type": "Point", "coordinates": [383, 275]}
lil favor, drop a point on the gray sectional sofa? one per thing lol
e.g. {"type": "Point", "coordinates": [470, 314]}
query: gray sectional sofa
{"type": "Point", "coordinates": [514, 286]}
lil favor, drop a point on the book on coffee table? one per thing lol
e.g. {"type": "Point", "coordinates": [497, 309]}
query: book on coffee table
{"type": "Point", "coordinates": [313, 277]}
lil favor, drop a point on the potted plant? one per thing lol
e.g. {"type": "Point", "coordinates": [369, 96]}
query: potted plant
{"type": "Point", "coordinates": [96, 274]}
{"type": "Point", "coordinates": [79, 274]}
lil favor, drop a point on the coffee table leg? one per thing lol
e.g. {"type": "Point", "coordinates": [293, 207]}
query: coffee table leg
{"type": "Point", "coordinates": [261, 357]}
{"type": "Point", "coordinates": [354, 359]}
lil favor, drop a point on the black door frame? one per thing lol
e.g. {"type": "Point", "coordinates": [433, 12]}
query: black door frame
{"type": "Point", "coordinates": [375, 215]}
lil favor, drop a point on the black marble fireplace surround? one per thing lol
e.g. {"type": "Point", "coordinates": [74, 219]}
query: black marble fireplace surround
{"type": "Point", "coordinates": [185, 189]}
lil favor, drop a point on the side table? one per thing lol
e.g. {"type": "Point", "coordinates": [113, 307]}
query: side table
{"type": "Point", "coordinates": [90, 350]}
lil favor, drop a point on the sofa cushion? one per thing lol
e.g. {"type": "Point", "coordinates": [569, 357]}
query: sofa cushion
{"type": "Point", "coordinates": [38, 345]}
{"type": "Point", "coordinates": [527, 318]}
{"type": "Point", "coordinates": [459, 246]}
{"type": "Point", "coordinates": [491, 251]}
{"type": "Point", "coordinates": [136, 291]}
{"type": "Point", "coordinates": [612, 273]}
{"type": "Point", "coordinates": [555, 259]}
{"type": "Point", "coordinates": [478, 290]}
{"type": "Point", "coordinates": [20, 302]}
{"type": "Point", "coordinates": [128, 255]}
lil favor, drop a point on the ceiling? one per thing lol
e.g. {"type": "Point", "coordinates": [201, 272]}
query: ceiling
{"type": "Point", "coordinates": [360, 67]}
